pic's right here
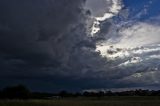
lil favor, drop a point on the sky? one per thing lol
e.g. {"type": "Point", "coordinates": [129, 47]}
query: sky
{"type": "Point", "coordinates": [54, 45]}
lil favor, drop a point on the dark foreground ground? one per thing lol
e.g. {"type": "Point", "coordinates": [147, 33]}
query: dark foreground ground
{"type": "Point", "coordinates": [104, 101]}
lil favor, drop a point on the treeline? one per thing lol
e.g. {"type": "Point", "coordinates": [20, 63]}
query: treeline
{"type": "Point", "coordinates": [138, 92]}
{"type": "Point", "coordinates": [22, 92]}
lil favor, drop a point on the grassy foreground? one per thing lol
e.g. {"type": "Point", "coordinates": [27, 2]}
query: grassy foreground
{"type": "Point", "coordinates": [105, 101]}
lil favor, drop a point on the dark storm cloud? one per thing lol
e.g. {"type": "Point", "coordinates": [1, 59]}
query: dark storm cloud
{"type": "Point", "coordinates": [37, 32]}
{"type": "Point", "coordinates": [46, 43]}
{"type": "Point", "coordinates": [46, 39]}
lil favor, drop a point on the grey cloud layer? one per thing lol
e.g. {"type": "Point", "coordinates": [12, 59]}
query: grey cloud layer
{"type": "Point", "coordinates": [46, 39]}
{"type": "Point", "coordinates": [38, 32]}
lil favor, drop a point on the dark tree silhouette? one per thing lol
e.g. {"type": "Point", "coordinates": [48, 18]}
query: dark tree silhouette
{"type": "Point", "coordinates": [16, 92]}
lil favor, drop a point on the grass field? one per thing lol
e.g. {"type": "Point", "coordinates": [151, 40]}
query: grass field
{"type": "Point", "coordinates": [107, 101]}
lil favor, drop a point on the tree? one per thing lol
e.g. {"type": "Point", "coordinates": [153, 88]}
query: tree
{"type": "Point", "coordinates": [16, 92]}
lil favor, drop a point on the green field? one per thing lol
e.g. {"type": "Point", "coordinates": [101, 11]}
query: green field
{"type": "Point", "coordinates": [105, 101]}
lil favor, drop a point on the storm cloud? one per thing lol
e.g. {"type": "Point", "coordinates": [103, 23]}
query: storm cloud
{"type": "Point", "coordinates": [51, 45]}
{"type": "Point", "coordinates": [45, 39]}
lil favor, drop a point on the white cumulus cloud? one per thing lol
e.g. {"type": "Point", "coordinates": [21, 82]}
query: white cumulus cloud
{"type": "Point", "coordinates": [102, 10]}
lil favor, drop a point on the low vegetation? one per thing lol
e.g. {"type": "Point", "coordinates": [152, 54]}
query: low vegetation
{"type": "Point", "coordinates": [21, 96]}
{"type": "Point", "coordinates": [105, 101]}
